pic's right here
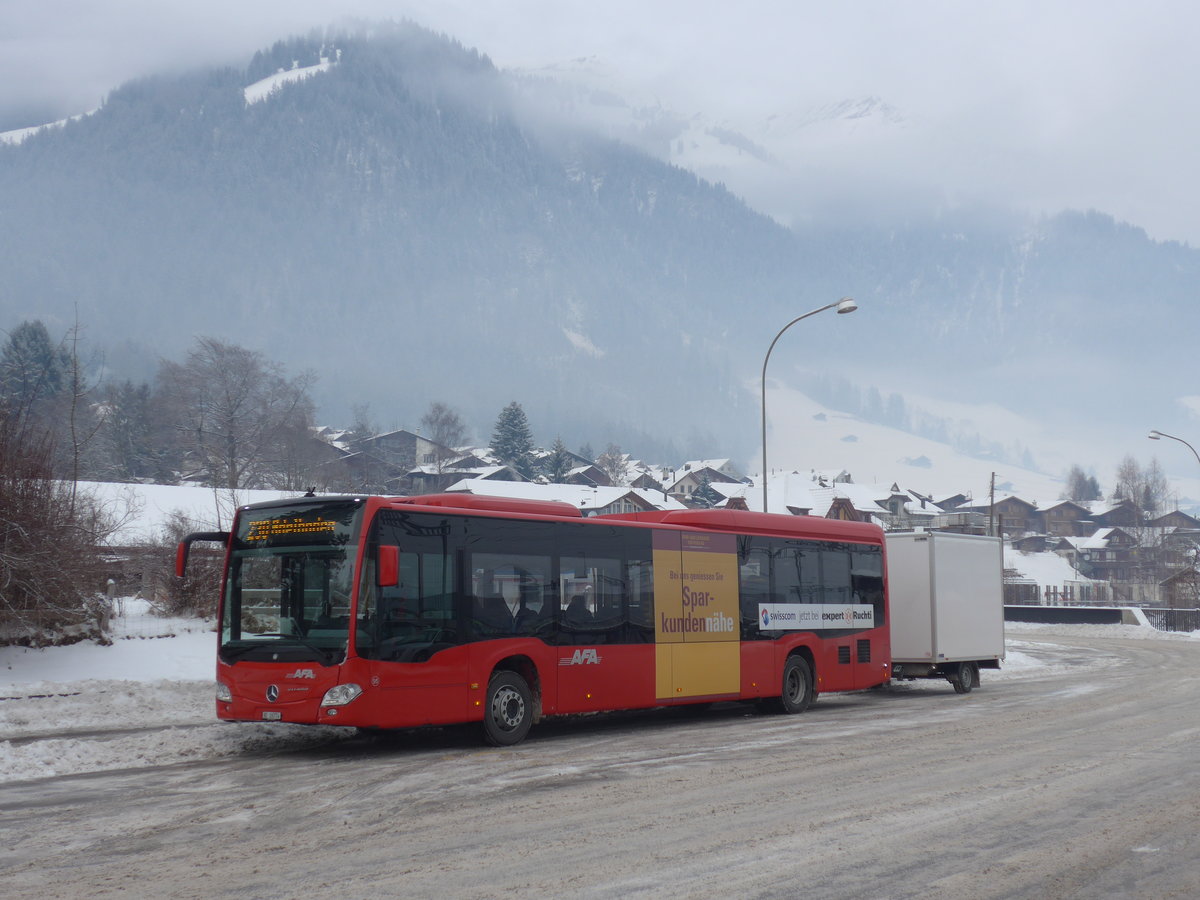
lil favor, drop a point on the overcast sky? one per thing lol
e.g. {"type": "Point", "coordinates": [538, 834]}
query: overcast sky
{"type": "Point", "coordinates": [1042, 104]}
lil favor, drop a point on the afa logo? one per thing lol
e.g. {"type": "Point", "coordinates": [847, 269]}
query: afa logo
{"type": "Point", "coordinates": [766, 619]}
{"type": "Point", "coordinates": [587, 657]}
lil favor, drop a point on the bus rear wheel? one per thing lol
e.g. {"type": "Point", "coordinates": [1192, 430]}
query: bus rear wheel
{"type": "Point", "coordinates": [797, 686]}
{"type": "Point", "coordinates": [508, 713]}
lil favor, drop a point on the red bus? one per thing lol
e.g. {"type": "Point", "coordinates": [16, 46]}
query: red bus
{"type": "Point", "coordinates": [396, 612]}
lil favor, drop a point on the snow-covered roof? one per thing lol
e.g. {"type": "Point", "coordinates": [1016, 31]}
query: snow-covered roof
{"type": "Point", "coordinates": [1097, 541]}
{"type": "Point", "coordinates": [786, 491]}
{"type": "Point", "coordinates": [582, 497]}
{"type": "Point", "coordinates": [1044, 568]}
{"type": "Point", "coordinates": [719, 465]}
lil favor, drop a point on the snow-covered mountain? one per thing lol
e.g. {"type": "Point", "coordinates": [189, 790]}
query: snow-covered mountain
{"type": "Point", "coordinates": [763, 157]}
{"type": "Point", "coordinates": [399, 211]}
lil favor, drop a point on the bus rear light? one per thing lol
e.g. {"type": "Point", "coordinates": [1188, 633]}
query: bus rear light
{"type": "Point", "coordinates": [341, 694]}
{"type": "Point", "coordinates": [224, 695]}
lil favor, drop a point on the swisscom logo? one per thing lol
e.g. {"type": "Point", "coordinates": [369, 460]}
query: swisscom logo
{"type": "Point", "coordinates": [775, 618]}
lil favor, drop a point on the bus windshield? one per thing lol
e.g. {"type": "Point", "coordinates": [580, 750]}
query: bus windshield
{"type": "Point", "coordinates": [288, 586]}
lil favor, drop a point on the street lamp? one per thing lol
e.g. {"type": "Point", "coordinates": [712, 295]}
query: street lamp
{"type": "Point", "coordinates": [845, 305]}
{"type": "Point", "coordinates": [1155, 435]}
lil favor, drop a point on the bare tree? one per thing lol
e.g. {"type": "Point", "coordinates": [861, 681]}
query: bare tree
{"type": "Point", "coordinates": [364, 425]}
{"type": "Point", "coordinates": [1145, 489]}
{"type": "Point", "coordinates": [614, 463]}
{"type": "Point", "coordinates": [50, 535]}
{"type": "Point", "coordinates": [197, 594]}
{"type": "Point", "coordinates": [444, 427]}
{"type": "Point", "coordinates": [236, 413]}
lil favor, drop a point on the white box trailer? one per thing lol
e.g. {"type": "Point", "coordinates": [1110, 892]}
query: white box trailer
{"type": "Point", "coordinates": [946, 600]}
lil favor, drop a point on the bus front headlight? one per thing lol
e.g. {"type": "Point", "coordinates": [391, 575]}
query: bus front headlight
{"type": "Point", "coordinates": [224, 695]}
{"type": "Point", "coordinates": [341, 694]}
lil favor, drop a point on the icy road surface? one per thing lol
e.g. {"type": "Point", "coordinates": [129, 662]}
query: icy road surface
{"type": "Point", "coordinates": [1073, 773]}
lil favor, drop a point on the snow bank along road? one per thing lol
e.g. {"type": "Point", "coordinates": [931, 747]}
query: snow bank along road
{"type": "Point", "coordinates": [1075, 776]}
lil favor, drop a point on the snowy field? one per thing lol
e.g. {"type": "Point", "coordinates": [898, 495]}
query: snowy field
{"type": "Point", "coordinates": [147, 700]}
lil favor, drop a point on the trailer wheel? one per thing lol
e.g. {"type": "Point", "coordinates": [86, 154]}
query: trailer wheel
{"type": "Point", "coordinates": [964, 678]}
{"type": "Point", "coordinates": [797, 686]}
{"type": "Point", "coordinates": [508, 714]}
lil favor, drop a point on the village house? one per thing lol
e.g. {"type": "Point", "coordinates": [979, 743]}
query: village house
{"type": "Point", "coordinates": [1067, 518]}
{"type": "Point", "coordinates": [1109, 554]}
{"type": "Point", "coordinates": [689, 480]}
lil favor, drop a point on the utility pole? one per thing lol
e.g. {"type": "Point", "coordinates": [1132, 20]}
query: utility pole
{"type": "Point", "coordinates": [992, 507]}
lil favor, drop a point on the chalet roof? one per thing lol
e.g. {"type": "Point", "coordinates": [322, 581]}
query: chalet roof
{"type": "Point", "coordinates": [859, 496]}
{"type": "Point", "coordinates": [1160, 521]}
{"type": "Point", "coordinates": [1079, 506]}
{"type": "Point", "coordinates": [713, 475]}
{"type": "Point", "coordinates": [1100, 538]}
{"type": "Point", "coordinates": [582, 497]}
{"type": "Point", "coordinates": [785, 491]}
{"type": "Point", "coordinates": [489, 473]}
{"type": "Point", "coordinates": [393, 433]}
{"type": "Point", "coordinates": [730, 489]}
{"type": "Point", "coordinates": [960, 498]}
{"type": "Point", "coordinates": [724, 465]}
{"type": "Point", "coordinates": [1041, 568]}
{"type": "Point", "coordinates": [985, 505]}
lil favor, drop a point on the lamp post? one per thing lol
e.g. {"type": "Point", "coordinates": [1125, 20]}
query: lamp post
{"type": "Point", "coordinates": [845, 305]}
{"type": "Point", "coordinates": [1155, 435]}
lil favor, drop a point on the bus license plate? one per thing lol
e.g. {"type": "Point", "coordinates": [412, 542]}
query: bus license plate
{"type": "Point", "coordinates": [271, 715]}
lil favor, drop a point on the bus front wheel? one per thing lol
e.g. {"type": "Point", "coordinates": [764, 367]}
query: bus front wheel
{"type": "Point", "coordinates": [797, 686]}
{"type": "Point", "coordinates": [509, 711]}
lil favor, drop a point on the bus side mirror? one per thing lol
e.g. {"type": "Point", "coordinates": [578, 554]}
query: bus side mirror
{"type": "Point", "coordinates": [181, 552]}
{"type": "Point", "coordinates": [389, 565]}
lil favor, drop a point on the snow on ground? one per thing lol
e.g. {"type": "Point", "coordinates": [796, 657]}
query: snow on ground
{"type": "Point", "coordinates": [17, 135]}
{"type": "Point", "coordinates": [144, 510]}
{"type": "Point", "coordinates": [807, 435]}
{"type": "Point", "coordinates": [147, 699]}
{"type": "Point", "coordinates": [263, 89]}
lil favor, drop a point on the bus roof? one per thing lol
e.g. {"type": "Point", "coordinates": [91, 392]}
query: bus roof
{"type": "Point", "coordinates": [725, 520]}
{"type": "Point", "coordinates": [746, 522]}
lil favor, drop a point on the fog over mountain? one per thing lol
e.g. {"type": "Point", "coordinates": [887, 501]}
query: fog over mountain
{"type": "Point", "coordinates": [414, 225]}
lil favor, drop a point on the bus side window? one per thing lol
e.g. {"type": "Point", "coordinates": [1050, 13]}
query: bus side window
{"type": "Point", "coordinates": [835, 576]}
{"type": "Point", "coordinates": [754, 584]}
{"type": "Point", "coordinates": [866, 578]}
{"type": "Point", "coordinates": [594, 613]}
{"type": "Point", "coordinates": [639, 597]}
{"type": "Point", "coordinates": [491, 616]}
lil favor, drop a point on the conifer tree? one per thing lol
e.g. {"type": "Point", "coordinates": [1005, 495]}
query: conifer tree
{"type": "Point", "coordinates": [558, 463]}
{"type": "Point", "coordinates": [705, 496]}
{"type": "Point", "coordinates": [32, 369]}
{"type": "Point", "coordinates": [512, 439]}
